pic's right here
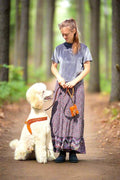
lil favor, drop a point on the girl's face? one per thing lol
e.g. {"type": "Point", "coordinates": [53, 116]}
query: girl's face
{"type": "Point", "coordinates": [67, 34]}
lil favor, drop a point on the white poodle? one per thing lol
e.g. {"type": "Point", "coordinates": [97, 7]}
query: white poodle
{"type": "Point", "coordinates": [36, 134]}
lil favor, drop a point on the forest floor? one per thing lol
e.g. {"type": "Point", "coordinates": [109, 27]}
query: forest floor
{"type": "Point", "coordinates": [102, 137]}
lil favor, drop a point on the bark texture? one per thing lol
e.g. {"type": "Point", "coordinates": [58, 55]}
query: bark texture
{"type": "Point", "coordinates": [94, 83]}
{"type": "Point", "coordinates": [115, 92]}
{"type": "Point", "coordinates": [50, 7]}
{"type": "Point", "coordinates": [4, 38]}
{"type": "Point", "coordinates": [39, 34]}
{"type": "Point", "coordinates": [24, 26]}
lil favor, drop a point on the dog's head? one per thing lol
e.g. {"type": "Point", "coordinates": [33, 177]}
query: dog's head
{"type": "Point", "coordinates": [36, 94]}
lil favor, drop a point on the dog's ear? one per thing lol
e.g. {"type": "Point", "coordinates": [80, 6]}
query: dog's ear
{"type": "Point", "coordinates": [47, 93]}
{"type": "Point", "coordinates": [30, 94]}
{"type": "Point", "coordinates": [37, 87]}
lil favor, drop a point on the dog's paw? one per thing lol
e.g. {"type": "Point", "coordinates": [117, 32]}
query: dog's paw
{"type": "Point", "coordinates": [42, 160]}
{"type": "Point", "coordinates": [51, 158]}
{"type": "Point", "coordinates": [20, 156]}
{"type": "Point", "coordinates": [14, 143]}
{"type": "Point", "coordinates": [50, 155]}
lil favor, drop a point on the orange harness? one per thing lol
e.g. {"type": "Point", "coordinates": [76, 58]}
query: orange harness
{"type": "Point", "coordinates": [30, 121]}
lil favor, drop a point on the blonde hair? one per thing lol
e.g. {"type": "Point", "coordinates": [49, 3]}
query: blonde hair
{"type": "Point", "coordinates": [71, 23]}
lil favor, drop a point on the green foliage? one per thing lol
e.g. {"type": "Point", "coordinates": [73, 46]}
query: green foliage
{"type": "Point", "coordinates": [16, 73]}
{"type": "Point", "coordinates": [14, 89]}
{"type": "Point", "coordinates": [36, 75]}
{"type": "Point", "coordinates": [114, 112]}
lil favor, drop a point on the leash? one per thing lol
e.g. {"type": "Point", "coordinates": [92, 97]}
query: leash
{"type": "Point", "coordinates": [30, 121]}
{"type": "Point", "coordinates": [65, 94]}
{"type": "Point", "coordinates": [73, 109]}
{"type": "Point", "coordinates": [54, 100]}
{"type": "Point", "coordinates": [71, 95]}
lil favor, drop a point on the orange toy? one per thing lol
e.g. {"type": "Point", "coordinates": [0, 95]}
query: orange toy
{"type": "Point", "coordinates": [73, 109]}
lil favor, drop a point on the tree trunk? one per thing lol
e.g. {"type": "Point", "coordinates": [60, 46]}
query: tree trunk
{"type": "Point", "coordinates": [39, 34]}
{"type": "Point", "coordinates": [80, 18]}
{"type": "Point", "coordinates": [24, 36]}
{"type": "Point", "coordinates": [50, 7]}
{"type": "Point", "coordinates": [106, 40]}
{"type": "Point", "coordinates": [17, 31]}
{"type": "Point", "coordinates": [4, 38]}
{"type": "Point", "coordinates": [115, 92]}
{"type": "Point", "coordinates": [94, 83]}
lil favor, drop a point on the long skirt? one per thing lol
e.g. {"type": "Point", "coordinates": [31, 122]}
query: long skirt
{"type": "Point", "coordinates": [67, 131]}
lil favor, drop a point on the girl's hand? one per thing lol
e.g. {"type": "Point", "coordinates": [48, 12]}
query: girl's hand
{"type": "Point", "coordinates": [61, 81]}
{"type": "Point", "coordinates": [55, 72]}
{"type": "Point", "coordinates": [71, 84]}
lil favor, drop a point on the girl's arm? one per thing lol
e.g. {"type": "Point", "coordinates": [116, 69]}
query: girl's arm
{"type": "Point", "coordinates": [55, 72]}
{"type": "Point", "coordinates": [81, 76]}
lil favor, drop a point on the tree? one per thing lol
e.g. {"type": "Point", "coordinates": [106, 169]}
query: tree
{"type": "Point", "coordinates": [24, 27]}
{"type": "Point", "coordinates": [39, 34]}
{"type": "Point", "coordinates": [106, 40]}
{"type": "Point", "coordinates": [94, 83]}
{"type": "Point", "coordinates": [115, 92]}
{"type": "Point", "coordinates": [17, 32]}
{"type": "Point", "coordinates": [4, 38]}
{"type": "Point", "coordinates": [50, 7]}
{"type": "Point", "coordinates": [80, 17]}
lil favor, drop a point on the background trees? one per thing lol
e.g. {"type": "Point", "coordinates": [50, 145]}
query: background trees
{"type": "Point", "coordinates": [115, 92]}
{"type": "Point", "coordinates": [17, 33]}
{"type": "Point", "coordinates": [80, 17]}
{"type": "Point", "coordinates": [24, 26]}
{"type": "Point", "coordinates": [34, 34]}
{"type": "Point", "coordinates": [94, 83]}
{"type": "Point", "coordinates": [50, 8]}
{"type": "Point", "coordinates": [4, 38]}
{"type": "Point", "coordinates": [38, 54]}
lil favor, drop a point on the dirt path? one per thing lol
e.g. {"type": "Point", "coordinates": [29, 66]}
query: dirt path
{"type": "Point", "coordinates": [97, 164]}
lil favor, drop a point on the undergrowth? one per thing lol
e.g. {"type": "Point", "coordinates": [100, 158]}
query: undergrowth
{"type": "Point", "coordinates": [12, 91]}
{"type": "Point", "coordinates": [15, 88]}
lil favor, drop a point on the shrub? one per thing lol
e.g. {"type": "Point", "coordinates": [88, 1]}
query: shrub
{"type": "Point", "coordinates": [14, 89]}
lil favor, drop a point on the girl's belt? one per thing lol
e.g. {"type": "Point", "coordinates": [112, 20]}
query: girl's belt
{"type": "Point", "coordinates": [30, 121]}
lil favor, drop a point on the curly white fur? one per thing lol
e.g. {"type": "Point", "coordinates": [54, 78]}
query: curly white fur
{"type": "Point", "coordinates": [40, 141]}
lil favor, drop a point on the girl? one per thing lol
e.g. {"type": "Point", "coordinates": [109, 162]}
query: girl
{"type": "Point", "coordinates": [74, 58]}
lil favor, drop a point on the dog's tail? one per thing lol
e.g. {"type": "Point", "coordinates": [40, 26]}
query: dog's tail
{"type": "Point", "coordinates": [14, 143]}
